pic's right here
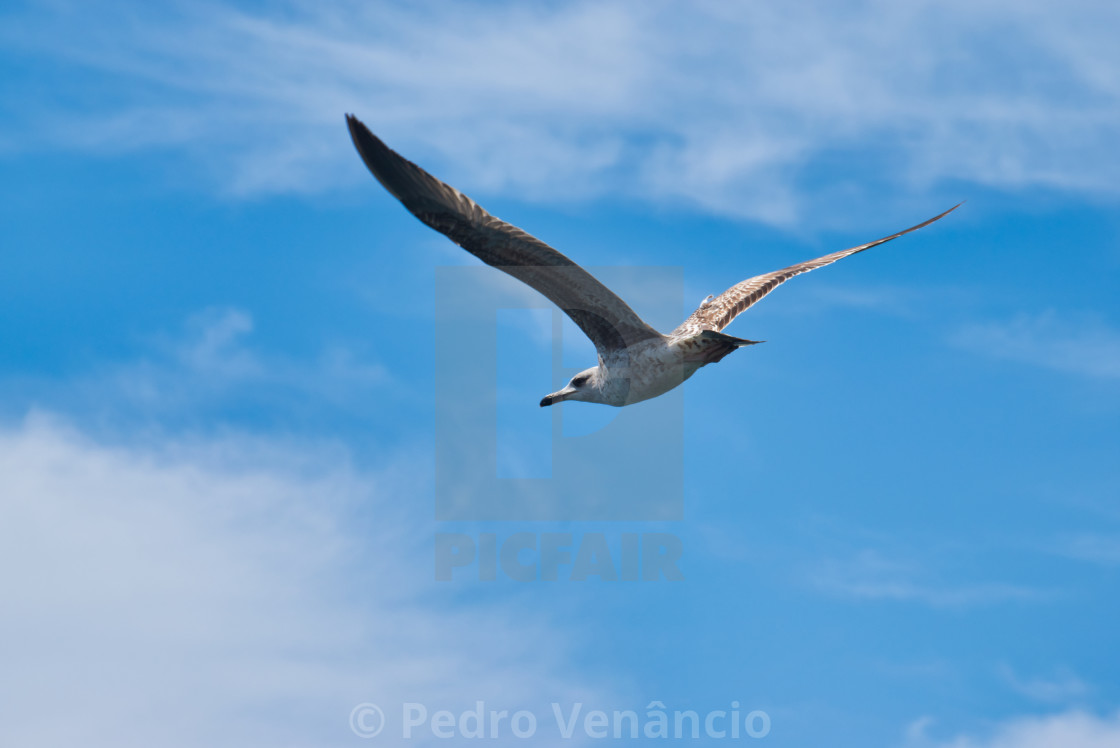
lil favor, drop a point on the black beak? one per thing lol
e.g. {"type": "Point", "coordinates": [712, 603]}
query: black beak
{"type": "Point", "coordinates": [557, 397]}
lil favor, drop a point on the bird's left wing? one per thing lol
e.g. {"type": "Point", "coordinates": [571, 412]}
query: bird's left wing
{"type": "Point", "coordinates": [604, 317]}
{"type": "Point", "coordinates": [720, 311]}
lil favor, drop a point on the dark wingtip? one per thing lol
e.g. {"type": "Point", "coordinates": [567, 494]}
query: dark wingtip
{"type": "Point", "coordinates": [942, 215]}
{"type": "Point", "coordinates": [355, 126]}
{"type": "Point", "coordinates": [378, 157]}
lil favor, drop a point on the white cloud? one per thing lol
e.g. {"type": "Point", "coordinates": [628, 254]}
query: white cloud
{"type": "Point", "coordinates": [234, 591]}
{"type": "Point", "coordinates": [765, 111]}
{"type": "Point", "coordinates": [1085, 346]}
{"type": "Point", "coordinates": [1073, 729]}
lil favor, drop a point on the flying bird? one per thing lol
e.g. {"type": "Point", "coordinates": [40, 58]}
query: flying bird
{"type": "Point", "coordinates": [636, 362]}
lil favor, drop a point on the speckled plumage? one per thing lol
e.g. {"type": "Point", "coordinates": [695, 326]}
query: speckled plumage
{"type": "Point", "coordinates": [635, 361]}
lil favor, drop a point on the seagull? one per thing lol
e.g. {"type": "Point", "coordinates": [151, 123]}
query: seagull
{"type": "Point", "coordinates": [636, 362]}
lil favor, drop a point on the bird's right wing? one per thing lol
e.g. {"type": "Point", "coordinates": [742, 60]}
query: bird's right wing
{"type": "Point", "coordinates": [720, 311]}
{"type": "Point", "coordinates": [604, 317]}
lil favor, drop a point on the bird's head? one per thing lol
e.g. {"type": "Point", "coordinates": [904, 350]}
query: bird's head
{"type": "Point", "coordinates": [583, 386]}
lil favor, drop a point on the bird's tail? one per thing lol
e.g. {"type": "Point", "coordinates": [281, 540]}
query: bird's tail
{"type": "Point", "coordinates": [716, 345]}
{"type": "Point", "coordinates": [730, 340]}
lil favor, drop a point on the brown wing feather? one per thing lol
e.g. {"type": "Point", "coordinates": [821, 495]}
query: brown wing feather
{"type": "Point", "coordinates": [720, 311]}
{"type": "Point", "coordinates": [604, 317]}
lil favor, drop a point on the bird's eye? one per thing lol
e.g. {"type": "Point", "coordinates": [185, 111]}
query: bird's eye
{"type": "Point", "coordinates": [580, 380]}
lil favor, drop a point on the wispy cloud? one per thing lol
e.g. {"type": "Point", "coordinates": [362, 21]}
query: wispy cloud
{"type": "Point", "coordinates": [234, 591]}
{"type": "Point", "coordinates": [762, 111]}
{"type": "Point", "coordinates": [213, 361]}
{"type": "Point", "coordinates": [214, 345]}
{"type": "Point", "coordinates": [824, 297]}
{"type": "Point", "coordinates": [1085, 346]}
{"type": "Point", "coordinates": [1060, 688]}
{"type": "Point", "coordinates": [1073, 729]}
{"type": "Point", "coordinates": [1095, 548]}
{"type": "Point", "coordinates": [870, 575]}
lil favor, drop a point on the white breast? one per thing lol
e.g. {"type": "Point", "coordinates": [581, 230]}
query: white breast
{"type": "Point", "coordinates": [642, 371]}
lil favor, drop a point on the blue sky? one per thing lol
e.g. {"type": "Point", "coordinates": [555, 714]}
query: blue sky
{"type": "Point", "coordinates": [217, 424]}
